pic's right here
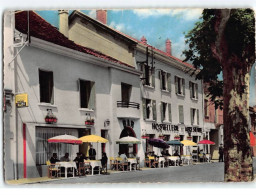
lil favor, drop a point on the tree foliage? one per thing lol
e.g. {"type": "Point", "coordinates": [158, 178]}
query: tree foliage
{"type": "Point", "coordinates": [240, 38]}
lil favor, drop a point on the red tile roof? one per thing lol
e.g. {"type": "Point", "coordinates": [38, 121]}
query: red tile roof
{"type": "Point", "coordinates": [158, 50]}
{"type": "Point", "coordinates": [41, 29]}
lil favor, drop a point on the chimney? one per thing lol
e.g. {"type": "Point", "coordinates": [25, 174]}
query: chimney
{"type": "Point", "coordinates": [143, 40]}
{"type": "Point", "coordinates": [168, 46]}
{"type": "Point", "coordinates": [63, 22]}
{"type": "Point", "coordinates": [101, 15]}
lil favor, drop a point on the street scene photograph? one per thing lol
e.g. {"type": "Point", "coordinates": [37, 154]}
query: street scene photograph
{"type": "Point", "coordinates": [123, 96]}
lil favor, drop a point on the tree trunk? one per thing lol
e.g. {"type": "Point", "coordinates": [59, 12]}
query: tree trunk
{"type": "Point", "coordinates": [237, 151]}
{"type": "Point", "coordinates": [236, 77]}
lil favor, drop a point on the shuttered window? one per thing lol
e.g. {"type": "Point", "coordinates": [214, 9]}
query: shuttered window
{"type": "Point", "coordinates": [179, 85]}
{"type": "Point", "coordinates": [181, 114]}
{"type": "Point", "coordinates": [148, 77]}
{"type": "Point", "coordinates": [193, 87]}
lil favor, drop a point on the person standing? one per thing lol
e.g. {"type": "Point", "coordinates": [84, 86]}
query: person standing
{"type": "Point", "coordinates": [92, 153]}
{"type": "Point", "coordinates": [220, 153]}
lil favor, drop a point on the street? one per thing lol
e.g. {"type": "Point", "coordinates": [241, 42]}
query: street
{"type": "Point", "coordinates": [207, 172]}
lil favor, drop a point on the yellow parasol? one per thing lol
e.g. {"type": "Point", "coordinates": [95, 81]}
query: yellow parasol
{"type": "Point", "coordinates": [188, 143]}
{"type": "Point", "coordinates": [93, 138]}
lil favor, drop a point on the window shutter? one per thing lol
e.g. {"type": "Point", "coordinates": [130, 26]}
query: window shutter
{"type": "Point", "coordinates": [181, 114]}
{"type": "Point", "coordinates": [153, 77]}
{"type": "Point", "coordinates": [190, 89]}
{"type": "Point", "coordinates": [162, 111]}
{"type": "Point", "coordinates": [196, 91]}
{"type": "Point", "coordinates": [144, 108]}
{"type": "Point", "coordinates": [191, 115]}
{"type": "Point", "coordinates": [170, 112]}
{"type": "Point", "coordinates": [92, 99]}
{"type": "Point", "coordinates": [169, 84]}
{"type": "Point", "coordinates": [154, 109]}
{"type": "Point", "coordinates": [143, 74]}
{"type": "Point", "coordinates": [160, 78]}
{"type": "Point", "coordinates": [198, 116]}
{"type": "Point", "coordinates": [183, 86]}
{"type": "Point", "coordinates": [176, 84]}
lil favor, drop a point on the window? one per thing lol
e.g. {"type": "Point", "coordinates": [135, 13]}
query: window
{"type": "Point", "coordinates": [193, 90]}
{"type": "Point", "coordinates": [181, 114]}
{"type": "Point", "coordinates": [126, 92]}
{"type": "Point", "coordinates": [46, 86]}
{"type": "Point", "coordinates": [87, 94]}
{"type": "Point", "coordinates": [149, 109]}
{"type": "Point", "coordinates": [166, 115]}
{"type": "Point", "coordinates": [179, 86]}
{"type": "Point", "coordinates": [148, 75]}
{"type": "Point", "coordinates": [44, 149]}
{"type": "Point", "coordinates": [194, 113]}
{"type": "Point", "coordinates": [165, 81]}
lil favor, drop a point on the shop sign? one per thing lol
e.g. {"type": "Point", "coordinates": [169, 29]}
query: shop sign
{"type": "Point", "coordinates": [165, 127]}
{"type": "Point", "coordinates": [21, 100]}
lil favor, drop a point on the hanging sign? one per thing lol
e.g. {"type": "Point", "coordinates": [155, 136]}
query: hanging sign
{"type": "Point", "coordinates": [21, 100]}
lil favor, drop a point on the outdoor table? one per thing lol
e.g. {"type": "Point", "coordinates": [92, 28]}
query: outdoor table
{"type": "Point", "coordinates": [186, 157]}
{"type": "Point", "coordinates": [67, 165]}
{"type": "Point", "coordinates": [175, 159]}
{"type": "Point", "coordinates": [94, 163]}
{"type": "Point", "coordinates": [161, 159]}
{"type": "Point", "coordinates": [132, 161]}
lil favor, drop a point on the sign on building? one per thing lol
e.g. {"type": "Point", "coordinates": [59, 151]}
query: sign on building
{"type": "Point", "coordinates": [21, 100]}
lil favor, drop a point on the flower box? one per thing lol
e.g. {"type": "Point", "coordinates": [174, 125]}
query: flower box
{"type": "Point", "coordinates": [189, 138]}
{"type": "Point", "coordinates": [145, 137]}
{"type": "Point", "coordinates": [89, 122]}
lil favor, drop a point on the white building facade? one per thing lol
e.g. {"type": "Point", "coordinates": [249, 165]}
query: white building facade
{"type": "Point", "coordinates": [71, 86]}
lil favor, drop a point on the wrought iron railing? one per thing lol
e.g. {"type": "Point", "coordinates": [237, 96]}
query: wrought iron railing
{"type": "Point", "coordinates": [128, 104]}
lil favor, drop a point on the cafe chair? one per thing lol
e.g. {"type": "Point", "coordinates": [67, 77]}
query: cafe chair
{"type": "Point", "coordinates": [138, 163]}
{"type": "Point", "coordinates": [121, 166]}
{"type": "Point", "coordinates": [147, 162]}
{"type": "Point", "coordinates": [113, 163]}
{"type": "Point", "coordinates": [154, 162]}
{"type": "Point", "coordinates": [81, 169]}
{"type": "Point", "coordinates": [53, 170]}
{"type": "Point", "coordinates": [87, 168]}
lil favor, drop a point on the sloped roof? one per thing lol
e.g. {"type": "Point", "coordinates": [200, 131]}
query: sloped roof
{"type": "Point", "coordinates": [122, 35]}
{"type": "Point", "coordinates": [41, 29]}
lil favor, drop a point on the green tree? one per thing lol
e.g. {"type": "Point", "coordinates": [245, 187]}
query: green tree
{"type": "Point", "coordinates": [224, 41]}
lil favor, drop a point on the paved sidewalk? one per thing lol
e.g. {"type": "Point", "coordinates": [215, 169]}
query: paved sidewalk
{"type": "Point", "coordinates": [46, 179]}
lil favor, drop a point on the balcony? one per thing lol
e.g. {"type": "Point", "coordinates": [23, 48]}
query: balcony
{"type": "Point", "coordinates": [128, 109]}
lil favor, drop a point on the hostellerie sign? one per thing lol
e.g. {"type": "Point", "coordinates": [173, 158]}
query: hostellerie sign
{"type": "Point", "coordinates": [165, 127]}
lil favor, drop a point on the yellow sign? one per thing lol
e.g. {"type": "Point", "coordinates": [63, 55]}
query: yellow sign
{"type": "Point", "coordinates": [21, 100]}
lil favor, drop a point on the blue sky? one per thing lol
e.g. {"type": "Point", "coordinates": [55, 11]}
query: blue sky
{"type": "Point", "coordinates": [156, 25]}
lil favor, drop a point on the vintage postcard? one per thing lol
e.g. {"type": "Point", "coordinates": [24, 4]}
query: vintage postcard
{"type": "Point", "coordinates": [129, 96]}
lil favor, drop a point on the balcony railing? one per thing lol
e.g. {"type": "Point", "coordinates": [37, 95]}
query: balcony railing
{"type": "Point", "coordinates": [128, 104]}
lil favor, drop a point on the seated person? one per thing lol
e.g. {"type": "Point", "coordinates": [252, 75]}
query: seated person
{"type": "Point", "coordinates": [167, 153]}
{"type": "Point", "coordinates": [78, 160]}
{"type": "Point", "coordinates": [65, 158]}
{"type": "Point", "coordinates": [54, 158]}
